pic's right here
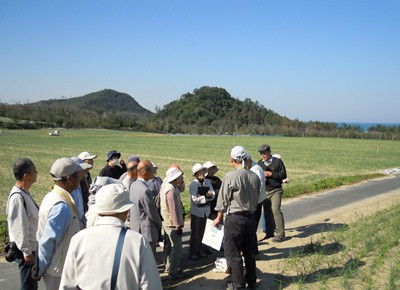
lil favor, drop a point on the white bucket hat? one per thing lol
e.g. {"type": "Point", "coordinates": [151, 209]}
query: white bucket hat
{"type": "Point", "coordinates": [172, 174]}
{"type": "Point", "coordinates": [197, 167]}
{"type": "Point", "coordinates": [209, 164]}
{"type": "Point", "coordinates": [112, 199]}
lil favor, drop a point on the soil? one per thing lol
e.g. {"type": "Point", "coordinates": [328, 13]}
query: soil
{"type": "Point", "coordinates": [273, 255]}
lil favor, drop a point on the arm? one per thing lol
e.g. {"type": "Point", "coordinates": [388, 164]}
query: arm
{"type": "Point", "coordinates": [149, 277]}
{"type": "Point", "coordinates": [196, 198]}
{"type": "Point", "coordinates": [280, 172]}
{"type": "Point", "coordinates": [57, 224]}
{"type": "Point", "coordinates": [151, 209]}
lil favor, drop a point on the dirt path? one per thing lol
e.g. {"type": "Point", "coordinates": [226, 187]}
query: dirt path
{"type": "Point", "coordinates": [300, 233]}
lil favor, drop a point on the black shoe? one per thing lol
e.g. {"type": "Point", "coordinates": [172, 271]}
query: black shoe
{"type": "Point", "coordinates": [202, 255]}
{"type": "Point", "coordinates": [179, 275]}
{"type": "Point", "coordinates": [194, 257]}
{"type": "Point", "coordinates": [278, 239]}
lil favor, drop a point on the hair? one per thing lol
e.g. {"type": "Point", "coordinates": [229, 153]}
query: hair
{"type": "Point", "coordinates": [22, 166]}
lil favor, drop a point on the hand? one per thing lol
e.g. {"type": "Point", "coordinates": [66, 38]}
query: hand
{"type": "Point", "coordinates": [35, 273]}
{"type": "Point", "coordinates": [121, 161]}
{"type": "Point", "coordinates": [29, 260]}
{"type": "Point", "coordinates": [216, 222]}
{"type": "Point", "coordinates": [179, 231]}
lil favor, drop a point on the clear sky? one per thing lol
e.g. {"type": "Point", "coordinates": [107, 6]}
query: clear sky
{"type": "Point", "coordinates": [324, 60]}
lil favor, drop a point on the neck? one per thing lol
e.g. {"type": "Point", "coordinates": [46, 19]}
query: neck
{"type": "Point", "coordinates": [23, 185]}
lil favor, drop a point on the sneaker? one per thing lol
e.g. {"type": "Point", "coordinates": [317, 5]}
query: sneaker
{"type": "Point", "coordinates": [278, 239]}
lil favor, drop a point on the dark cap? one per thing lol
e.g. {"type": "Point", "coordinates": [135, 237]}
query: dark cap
{"type": "Point", "coordinates": [264, 148]}
{"type": "Point", "coordinates": [112, 153]}
{"type": "Point", "coordinates": [134, 158]}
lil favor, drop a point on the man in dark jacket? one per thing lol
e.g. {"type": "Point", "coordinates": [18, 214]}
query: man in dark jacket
{"type": "Point", "coordinates": [274, 172]}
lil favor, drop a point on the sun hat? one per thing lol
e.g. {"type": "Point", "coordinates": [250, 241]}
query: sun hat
{"type": "Point", "coordinates": [112, 153]}
{"type": "Point", "coordinates": [209, 164]}
{"type": "Point", "coordinates": [197, 167]}
{"type": "Point", "coordinates": [172, 174]}
{"type": "Point", "coordinates": [239, 153]}
{"type": "Point", "coordinates": [112, 199]}
{"type": "Point", "coordinates": [86, 155]}
{"type": "Point", "coordinates": [264, 148]}
{"type": "Point", "coordinates": [64, 167]}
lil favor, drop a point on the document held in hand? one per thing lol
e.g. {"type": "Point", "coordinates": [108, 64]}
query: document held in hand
{"type": "Point", "coordinates": [213, 236]}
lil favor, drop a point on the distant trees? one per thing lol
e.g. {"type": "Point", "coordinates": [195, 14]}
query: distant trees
{"type": "Point", "coordinates": [207, 110]}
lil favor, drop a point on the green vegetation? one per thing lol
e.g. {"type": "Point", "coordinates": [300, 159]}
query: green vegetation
{"type": "Point", "coordinates": [364, 255]}
{"type": "Point", "coordinates": [208, 110]}
{"type": "Point", "coordinates": [312, 164]}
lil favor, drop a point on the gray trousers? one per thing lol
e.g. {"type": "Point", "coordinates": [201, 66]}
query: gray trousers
{"type": "Point", "coordinates": [173, 251]}
{"type": "Point", "coordinates": [272, 210]}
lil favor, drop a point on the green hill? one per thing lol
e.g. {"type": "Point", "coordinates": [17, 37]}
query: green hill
{"type": "Point", "coordinates": [102, 101]}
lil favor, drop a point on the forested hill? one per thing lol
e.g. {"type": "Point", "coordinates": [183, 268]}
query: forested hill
{"type": "Point", "coordinates": [102, 101]}
{"type": "Point", "coordinates": [214, 110]}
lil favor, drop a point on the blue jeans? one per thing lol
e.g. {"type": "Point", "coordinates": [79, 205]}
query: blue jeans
{"type": "Point", "coordinates": [27, 282]}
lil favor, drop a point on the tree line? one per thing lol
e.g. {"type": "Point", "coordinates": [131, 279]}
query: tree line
{"type": "Point", "coordinates": [207, 110]}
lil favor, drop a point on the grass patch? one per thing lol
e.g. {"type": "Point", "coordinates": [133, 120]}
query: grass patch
{"type": "Point", "coordinates": [365, 255]}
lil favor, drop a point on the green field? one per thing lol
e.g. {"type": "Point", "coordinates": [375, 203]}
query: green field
{"type": "Point", "coordinates": [311, 163]}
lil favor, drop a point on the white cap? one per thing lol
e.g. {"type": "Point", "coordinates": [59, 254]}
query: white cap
{"type": "Point", "coordinates": [86, 155]}
{"type": "Point", "coordinates": [172, 174]}
{"type": "Point", "coordinates": [112, 199]}
{"type": "Point", "coordinates": [197, 167]}
{"type": "Point", "coordinates": [239, 153]}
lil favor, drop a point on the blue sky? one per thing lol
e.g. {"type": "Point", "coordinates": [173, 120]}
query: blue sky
{"type": "Point", "coordinates": [319, 60]}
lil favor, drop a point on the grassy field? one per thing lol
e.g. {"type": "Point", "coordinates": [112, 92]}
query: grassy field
{"type": "Point", "coordinates": [312, 163]}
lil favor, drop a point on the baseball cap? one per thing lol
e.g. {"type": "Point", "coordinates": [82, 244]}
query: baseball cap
{"type": "Point", "coordinates": [239, 153]}
{"type": "Point", "coordinates": [134, 158]}
{"type": "Point", "coordinates": [86, 155]}
{"type": "Point", "coordinates": [264, 148]}
{"type": "Point", "coordinates": [64, 167]}
{"type": "Point", "coordinates": [112, 199]}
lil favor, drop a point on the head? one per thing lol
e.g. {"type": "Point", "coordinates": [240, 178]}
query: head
{"type": "Point", "coordinates": [132, 169]}
{"type": "Point", "coordinates": [212, 169]}
{"type": "Point", "coordinates": [24, 170]}
{"type": "Point", "coordinates": [79, 161]}
{"type": "Point", "coordinates": [199, 172]}
{"type": "Point", "coordinates": [265, 151]}
{"type": "Point", "coordinates": [145, 170]}
{"type": "Point", "coordinates": [174, 176]}
{"type": "Point", "coordinates": [67, 174]}
{"type": "Point", "coordinates": [113, 200]}
{"type": "Point", "coordinates": [87, 158]}
{"type": "Point", "coordinates": [155, 168]}
{"type": "Point", "coordinates": [239, 156]}
{"type": "Point", "coordinates": [112, 158]}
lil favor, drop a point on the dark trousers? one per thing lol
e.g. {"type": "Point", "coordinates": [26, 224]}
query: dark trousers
{"type": "Point", "coordinates": [27, 282]}
{"type": "Point", "coordinates": [269, 218]}
{"type": "Point", "coordinates": [197, 227]}
{"type": "Point", "coordinates": [239, 237]}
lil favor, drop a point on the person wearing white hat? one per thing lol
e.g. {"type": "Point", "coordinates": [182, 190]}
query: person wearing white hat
{"type": "Point", "coordinates": [238, 198]}
{"type": "Point", "coordinates": [172, 213]}
{"type": "Point", "coordinates": [88, 158]}
{"type": "Point", "coordinates": [201, 193]}
{"type": "Point", "coordinates": [90, 259]}
{"type": "Point", "coordinates": [58, 220]}
{"type": "Point", "coordinates": [212, 169]}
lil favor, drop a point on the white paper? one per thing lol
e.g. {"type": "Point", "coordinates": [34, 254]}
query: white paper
{"type": "Point", "coordinates": [213, 236]}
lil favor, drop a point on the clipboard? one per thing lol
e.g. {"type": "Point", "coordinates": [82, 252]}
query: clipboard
{"type": "Point", "coordinates": [202, 190]}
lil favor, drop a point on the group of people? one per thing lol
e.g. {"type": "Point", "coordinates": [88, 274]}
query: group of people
{"type": "Point", "coordinates": [78, 238]}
